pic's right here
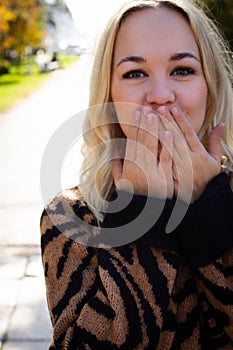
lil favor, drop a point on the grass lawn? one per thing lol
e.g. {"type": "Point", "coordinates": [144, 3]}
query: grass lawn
{"type": "Point", "coordinates": [17, 84]}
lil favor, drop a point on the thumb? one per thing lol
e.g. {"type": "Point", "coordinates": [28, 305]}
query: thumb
{"type": "Point", "coordinates": [214, 146]}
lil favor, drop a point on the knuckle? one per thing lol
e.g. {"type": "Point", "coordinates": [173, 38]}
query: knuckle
{"type": "Point", "coordinates": [165, 158]}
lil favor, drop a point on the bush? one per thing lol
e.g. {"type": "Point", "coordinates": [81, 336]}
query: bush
{"type": "Point", "coordinates": [4, 67]}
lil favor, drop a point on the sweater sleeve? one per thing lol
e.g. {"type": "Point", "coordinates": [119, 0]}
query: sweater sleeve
{"type": "Point", "coordinates": [215, 285]}
{"type": "Point", "coordinates": [103, 298]}
{"type": "Point", "coordinates": [206, 238]}
{"type": "Point", "coordinates": [206, 232]}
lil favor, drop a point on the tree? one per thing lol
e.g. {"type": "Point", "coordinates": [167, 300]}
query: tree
{"type": "Point", "coordinates": [21, 26]}
{"type": "Point", "coordinates": [222, 11]}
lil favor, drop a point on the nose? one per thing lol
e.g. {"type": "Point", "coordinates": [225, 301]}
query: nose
{"type": "Point", "coordinates": [160, 92]}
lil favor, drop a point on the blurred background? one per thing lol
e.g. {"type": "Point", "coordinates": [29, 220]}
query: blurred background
{"type": "Point", "coordinates": [34, 33]}
{"type": "Point", "coordinates": [221, 11]}
{"type": "Point", "coordinates": [46, 51]}
{"type": "Point", "coordinates": [31, 28]}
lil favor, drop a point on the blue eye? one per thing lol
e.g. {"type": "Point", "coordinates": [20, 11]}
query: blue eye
{"type": "Point", "coordinates": [134, 74]}
{"type": "Point", "coordinates": [183, 71]}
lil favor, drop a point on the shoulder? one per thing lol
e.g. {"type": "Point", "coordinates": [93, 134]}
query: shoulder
{"type": "Point", "coordinates": [69, 202]}
{"type": "Point", "coordinates": [68, 214]}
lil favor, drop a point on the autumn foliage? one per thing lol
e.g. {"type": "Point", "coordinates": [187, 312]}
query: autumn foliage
{"type": "Point", "coordinates": [21, 26]}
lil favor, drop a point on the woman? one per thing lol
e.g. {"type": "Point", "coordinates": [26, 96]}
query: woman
{"type": "Point", "coordinates": [165, 97]}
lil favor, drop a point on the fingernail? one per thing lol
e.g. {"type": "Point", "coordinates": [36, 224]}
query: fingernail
{"type": "Point", "coordinates": [175, 112]}
{"type": "Point", "coordinates": [146, 111]}
{"type": "Point", "coordinates": [163, 110]}
{"type": "Point", "coordinates": [150, 118]}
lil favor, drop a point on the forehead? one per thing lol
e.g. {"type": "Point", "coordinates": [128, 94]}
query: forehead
{"type": "Point", "coordinates": [155, 28]}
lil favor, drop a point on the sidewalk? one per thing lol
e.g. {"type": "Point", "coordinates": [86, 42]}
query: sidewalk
{"type": "Point", "coordinates": [24, 133]}
{"type": "Point", "coordinates": [24, 322]}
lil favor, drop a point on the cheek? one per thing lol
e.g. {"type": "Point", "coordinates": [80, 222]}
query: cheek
{"type": "Point", "coordinates": [196, 107]}
{"type": "Point", "coordinates": [123, 93]}
{"type": "Point", "coordinates": [125, 113]}
{"type": "Point", "coordinates": [116, 92]}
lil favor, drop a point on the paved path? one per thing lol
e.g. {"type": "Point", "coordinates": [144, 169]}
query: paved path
{"type": "Point", "coordinates": [24, 133]}
{"type": "Point", "coordinates": [24, 319]}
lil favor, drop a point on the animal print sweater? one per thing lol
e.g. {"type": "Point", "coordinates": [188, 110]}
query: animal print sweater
{"type": "Point", "coordinates": [160, 291]}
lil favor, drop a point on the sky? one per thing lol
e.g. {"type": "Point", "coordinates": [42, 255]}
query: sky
{"type": "Point", "coordinates": [90, 16]}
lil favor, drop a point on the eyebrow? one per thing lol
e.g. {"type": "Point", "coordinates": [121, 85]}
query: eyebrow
{"type": "Point", "coordinates": [136, 59]}
{"type": "Point", "coordinates": [179, 56]}
{"type": "Point", "coordinates": [175, 57]}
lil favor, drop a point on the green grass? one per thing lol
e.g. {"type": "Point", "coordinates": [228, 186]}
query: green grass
{"type": "Point", "coordinates": [66, 60]}
{"type": "Point", "coordinates": [17, 84]}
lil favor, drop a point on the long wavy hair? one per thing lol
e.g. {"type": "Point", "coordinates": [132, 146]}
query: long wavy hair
{"type": "Point", "coordinates": [96, 181]}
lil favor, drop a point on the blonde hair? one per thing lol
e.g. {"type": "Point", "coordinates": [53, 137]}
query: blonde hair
{"type": "Point", "coordinates": [96, 177]}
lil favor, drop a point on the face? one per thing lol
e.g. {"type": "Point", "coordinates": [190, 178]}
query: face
{"type": "Point", "coordinates": [157, 63]}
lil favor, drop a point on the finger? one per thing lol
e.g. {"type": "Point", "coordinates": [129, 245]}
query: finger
{"type": "Point", "coordinates": [148, 134]}
{"type": "Point", "coordinates": [131, 143]}
{"type": "Point", "coordinates": [166, 159]}
{"type": "Point", "coordinates": [214, 145]}
{"type": "Point", "coordinates": [117, 168]}
{"type": "Point", "coordinates": [166, 154]}
{"type": "Point", "coordinates": [187, 129]}
{"type": "Point", "coordinates": [141, 137]}
{"type": "Point", "coordinates": [133, 125]}
{"type": "Point", "coordinates": [168, 122]}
